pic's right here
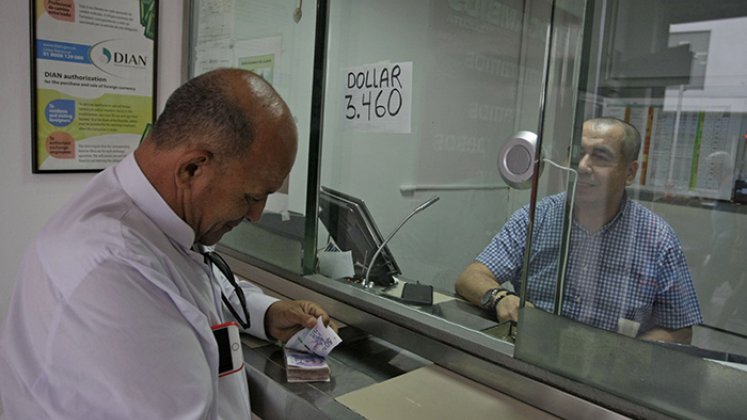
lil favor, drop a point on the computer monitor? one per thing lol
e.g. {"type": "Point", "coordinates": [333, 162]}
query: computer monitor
{"type": "Point", "coordinates": [350, 224]}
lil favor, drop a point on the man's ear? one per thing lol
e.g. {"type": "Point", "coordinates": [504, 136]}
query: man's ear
{"type": "Point", "coordinates": [631, 171]}
{"type": "Point", "coordinates": [192, 165]}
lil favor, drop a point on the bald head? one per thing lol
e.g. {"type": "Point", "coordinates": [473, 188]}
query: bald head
{"type": "Point", "coordinates": [220, 110]}
{"type": "Point", "coordinates": [224, 142]}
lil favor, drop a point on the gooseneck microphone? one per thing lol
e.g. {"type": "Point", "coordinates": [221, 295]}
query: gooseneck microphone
{"type": "Point", "coordinates": [418, 209]}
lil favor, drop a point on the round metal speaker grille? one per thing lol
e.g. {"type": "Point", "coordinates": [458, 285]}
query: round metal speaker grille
{"type": "Point", "coordinates": [516, 160]}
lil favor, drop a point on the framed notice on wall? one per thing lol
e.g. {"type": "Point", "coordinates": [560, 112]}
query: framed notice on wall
{"type": "Point", "coordinates": [93, 83]}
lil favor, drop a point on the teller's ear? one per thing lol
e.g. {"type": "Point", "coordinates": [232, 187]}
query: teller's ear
{"type": "Point", "coordinates": [630, 172]}
{"type": "Point", "coordinates": [192, 164]}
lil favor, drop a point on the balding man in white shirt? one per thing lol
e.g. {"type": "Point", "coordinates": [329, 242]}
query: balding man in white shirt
{"type": "Point", "coordinates": [114, 305]}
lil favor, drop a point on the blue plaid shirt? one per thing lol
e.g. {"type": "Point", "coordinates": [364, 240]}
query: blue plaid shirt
{"type": "Point", "coordinates": [633, 268]}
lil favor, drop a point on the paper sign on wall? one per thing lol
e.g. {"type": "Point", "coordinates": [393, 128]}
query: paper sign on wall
{"type": "Point", "coordinates": [259, 55]}
{"type": "Point", "coordinates": [378, 98]}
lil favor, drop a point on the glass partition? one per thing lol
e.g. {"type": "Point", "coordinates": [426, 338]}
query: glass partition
{"type": "Point", "coordinates": [652, 219]}
{"type": "Point", "coordinates": [417, 100]}
{"type": "Point", "coordinates": [420, 96]}
{"type": "Point", "coordinates": [400, 102]}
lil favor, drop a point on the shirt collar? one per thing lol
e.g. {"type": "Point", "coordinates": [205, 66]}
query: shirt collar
{"type": "Point", "coordinates": [203, 249]}
{"type": "Point", "coordinates": [623, 209]}
{"type": "Point", "coordinates": [150, 202]}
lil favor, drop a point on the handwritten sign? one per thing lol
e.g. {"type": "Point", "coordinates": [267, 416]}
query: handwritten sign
{"type": "Point", "coordinates": [378, 98]}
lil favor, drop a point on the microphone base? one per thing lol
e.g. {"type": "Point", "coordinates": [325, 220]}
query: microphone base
{"type": "Point", "coordinates": [418, 294]}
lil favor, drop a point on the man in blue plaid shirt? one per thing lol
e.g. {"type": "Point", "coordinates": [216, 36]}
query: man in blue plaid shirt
{"type": "Point", "coordinates": [626, 269]}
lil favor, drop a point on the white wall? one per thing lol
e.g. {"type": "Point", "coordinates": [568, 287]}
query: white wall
{"type": "Point", "coordinates": [27, 200]}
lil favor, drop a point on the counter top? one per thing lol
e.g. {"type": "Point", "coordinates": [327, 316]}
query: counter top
{"type": "Point", "coordinates": [371, 379]}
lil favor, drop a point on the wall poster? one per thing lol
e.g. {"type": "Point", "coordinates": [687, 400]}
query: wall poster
{"type": "Point", "coordinates": [93, 67]}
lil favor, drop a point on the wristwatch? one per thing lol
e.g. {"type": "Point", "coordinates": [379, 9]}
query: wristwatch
{"type": "Point", "coordinates": [489, 297]}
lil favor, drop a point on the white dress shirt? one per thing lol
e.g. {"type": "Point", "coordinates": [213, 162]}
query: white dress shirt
{"type": "Point", "coordinates": [111, 314]}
